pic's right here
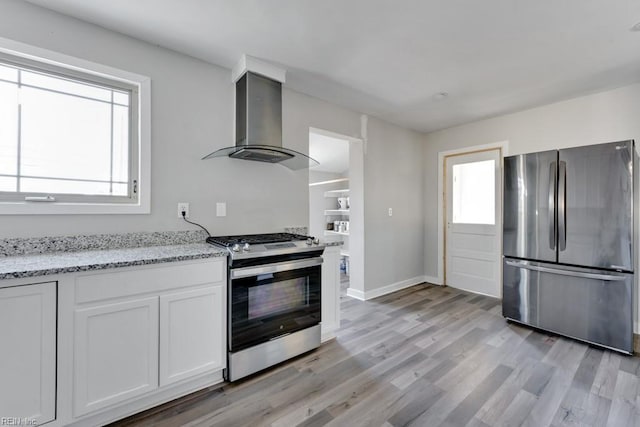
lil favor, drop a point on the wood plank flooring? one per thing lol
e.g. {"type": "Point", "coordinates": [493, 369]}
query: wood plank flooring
{"type": "Point", "coordinates": [425, 356]}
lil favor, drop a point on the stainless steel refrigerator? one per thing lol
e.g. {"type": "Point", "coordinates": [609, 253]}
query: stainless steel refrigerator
{"type": "Point", "coordinates": [568, 242]}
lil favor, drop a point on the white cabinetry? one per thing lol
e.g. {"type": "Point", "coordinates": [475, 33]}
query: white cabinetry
{"type": "Point", "coordinates": [116, 353]}
{"type": "Point", "coordinates": [28, 352]}
{"type": "Point", "coordinates": [140, 332]}
{"type": "Point", "coordinates": [330, 292]}
{"type": "Point", "coordinates": [191, 336]}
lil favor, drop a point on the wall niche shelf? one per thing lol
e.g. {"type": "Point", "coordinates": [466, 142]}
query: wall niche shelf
{"type": "Point", "coordinates": [336, 212]}
{"type": "Point", "coordinates": [333, 214]}
{"type": "Point", "coordinates": [336, 193]}
{"type": "Point", "coordinates": [334, 233]}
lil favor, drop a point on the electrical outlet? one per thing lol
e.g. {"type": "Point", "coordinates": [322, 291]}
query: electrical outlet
{"type": "Point", "coordinates": [390, 211]}
{"type": "Point", "coordinates": [183, 207]}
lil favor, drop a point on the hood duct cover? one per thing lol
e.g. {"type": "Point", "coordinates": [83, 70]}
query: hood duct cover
{"type": "Point", "coordinates": [259, 125]}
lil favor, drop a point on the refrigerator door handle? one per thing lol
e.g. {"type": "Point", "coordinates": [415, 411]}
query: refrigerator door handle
{"type": "Point", "coordinates": [553, 184]}
{"type": "Point", "coordinates": [562, 206]}
{"type": "Point", "coordinates": [605, 277]}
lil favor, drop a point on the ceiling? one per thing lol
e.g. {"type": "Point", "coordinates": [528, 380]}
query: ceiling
{"type": "Point", "coordinates": [332, 153]}
{"type": "Point", "coordinates": [389, 58]}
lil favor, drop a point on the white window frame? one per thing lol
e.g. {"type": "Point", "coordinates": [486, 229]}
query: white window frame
{"type": "Point", "coordinates": [143, 83]}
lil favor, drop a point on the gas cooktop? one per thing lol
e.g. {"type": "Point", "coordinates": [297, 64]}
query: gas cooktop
{"type": "Point", "coordinates": [255, 239]}
{"type": "Point", "coordinates": [262, 245]}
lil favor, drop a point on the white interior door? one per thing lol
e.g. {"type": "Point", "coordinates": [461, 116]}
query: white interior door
{"type": "Point", "coordinates": [473, 197]}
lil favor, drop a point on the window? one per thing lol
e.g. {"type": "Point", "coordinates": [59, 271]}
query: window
{"type": "Point", "coordinates": [66, 136]}
{"type": "Point", "coordinates": [73, 133]}
{"type": "Point", "coordinates": [474, 193]}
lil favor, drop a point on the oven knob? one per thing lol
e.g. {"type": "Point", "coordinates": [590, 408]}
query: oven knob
{"type": "Point", "coordinates": [245, 247]}
{"type": "Point", "coordinates": [316, 241]}
{"type": "Point", "coordinates": [309, 241]}
{"type": "Point", "coordinates": [235, 247]}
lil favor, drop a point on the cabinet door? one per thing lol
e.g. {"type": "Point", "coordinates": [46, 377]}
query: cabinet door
{"type": "Point", "coordinates": [192, 333]}
{"type": "Point", "coordinates": [116, 353]}
{"type": "Point", "coordinates": [28, 356]}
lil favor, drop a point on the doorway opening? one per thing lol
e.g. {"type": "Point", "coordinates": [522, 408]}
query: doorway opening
{"type": "Point", "coordinates": [336, 210]}
{"type": "Point", "coordinates": [329, 199]}
{"type": "Point", "coordinates": [471, 211]}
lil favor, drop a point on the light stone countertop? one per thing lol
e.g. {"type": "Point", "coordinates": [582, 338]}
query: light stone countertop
{"type": "Point", "coordinates": [43, 264]}
{"type": "Point", "coordinates": [43, 256]}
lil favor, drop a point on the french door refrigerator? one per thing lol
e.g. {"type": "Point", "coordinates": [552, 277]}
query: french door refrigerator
{"type": "Point", "coordinates": [568, 242]}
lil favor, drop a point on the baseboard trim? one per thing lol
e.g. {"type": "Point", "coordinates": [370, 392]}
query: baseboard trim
{"type": "Point", "coordinates": [142, 404]}
{"type": "Point", "coordinates": [384, 290]}
{"type": "Point", "coordinates": [433, 280]}
{"type": "Point", "coordinates": [355, 293]}
{"type": "Point", "coordinates": [327, 336]}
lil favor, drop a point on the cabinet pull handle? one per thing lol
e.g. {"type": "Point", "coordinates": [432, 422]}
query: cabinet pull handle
{"type": "Point", "coordinates": [605, 277]}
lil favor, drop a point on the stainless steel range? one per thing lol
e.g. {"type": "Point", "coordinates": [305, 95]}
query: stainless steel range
{"type": "Point", "coordinates": [273, 308]}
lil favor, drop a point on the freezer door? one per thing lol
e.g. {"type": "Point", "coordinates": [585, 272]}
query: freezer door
{"type": "Point", "coordinates": [591, 305]}
{"type": "Point", "coordinates": [595, 206]}
{"type": "Point", "coordinates": [529, 220]}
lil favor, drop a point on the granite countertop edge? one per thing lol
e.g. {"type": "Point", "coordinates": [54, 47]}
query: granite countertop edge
{"type": "Point", "coordinates": [47, 264]}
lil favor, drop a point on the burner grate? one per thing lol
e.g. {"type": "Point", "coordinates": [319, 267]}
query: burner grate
{"type": "Point", "coordinates": [255, 238]}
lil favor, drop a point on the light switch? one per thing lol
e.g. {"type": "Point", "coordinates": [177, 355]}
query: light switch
{"type": "Point", "coordinates": [390, 211]}
{"type": "Point", "coordinates": [221, 209]}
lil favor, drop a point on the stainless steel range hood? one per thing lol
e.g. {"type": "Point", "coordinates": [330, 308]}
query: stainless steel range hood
{"type": "Point", "coordinates": [259, 125]}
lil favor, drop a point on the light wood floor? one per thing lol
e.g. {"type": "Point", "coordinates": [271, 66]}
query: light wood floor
{"type": "Point", "coordinates": [425, 356]}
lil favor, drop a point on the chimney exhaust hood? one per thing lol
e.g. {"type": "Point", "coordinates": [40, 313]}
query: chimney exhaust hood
{"type": "Point", "coordinates": [259, 121]}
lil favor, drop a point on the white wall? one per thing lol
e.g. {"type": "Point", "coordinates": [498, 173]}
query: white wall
{"type": "Point", "coordinates": [393, 179]}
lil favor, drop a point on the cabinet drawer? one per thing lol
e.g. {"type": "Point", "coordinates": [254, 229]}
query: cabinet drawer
{"type": "Point", "coordinates": [154, 279]}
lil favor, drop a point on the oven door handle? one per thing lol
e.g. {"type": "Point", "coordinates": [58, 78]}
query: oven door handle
{"type": "Point", "coordinates": [238, 273]}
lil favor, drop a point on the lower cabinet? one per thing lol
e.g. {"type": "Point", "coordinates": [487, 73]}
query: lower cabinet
{"type": "Point", "coordinates": [28, 353]}
{"type": "Point", "coordinates": [145, 330]}
{"type": "Point", "coordinates": [116, 353]}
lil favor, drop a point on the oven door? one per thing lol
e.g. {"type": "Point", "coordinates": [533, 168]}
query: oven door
{"type": "Point", "coordinates": [272, 300]}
